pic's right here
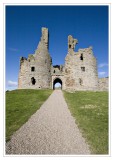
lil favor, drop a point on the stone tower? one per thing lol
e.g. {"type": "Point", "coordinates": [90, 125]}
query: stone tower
{"type": "Point", "coordinates": [78, 73]}
{"type": "Point", "coordinates": [80, 68]}
{"type": "Point", "coordinates": [35, 72]}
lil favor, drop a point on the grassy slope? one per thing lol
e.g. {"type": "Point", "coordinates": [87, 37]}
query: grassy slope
{"type": "Point", "coordinates": [90, 110]}
{"type": "Point", "coordinates": [20, 105]}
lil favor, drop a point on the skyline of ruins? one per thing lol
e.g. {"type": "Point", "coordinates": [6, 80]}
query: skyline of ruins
{"type": "Point", "coordinates": [87, 24]}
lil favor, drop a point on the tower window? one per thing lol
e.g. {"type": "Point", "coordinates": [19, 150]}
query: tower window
{"type": "Point", "coordinates": [69, 45]}
{"type": "Point", "coordinates": [32, 69]}
{"type": "Point", "coordinates": [54, 71]}
{"type": "Point", "coordinates": [80, 81]}
{"type": "Point", "coordinates": [33, 81]}
{"type": "Point", "coordinates": [81, 57]}
{"type": "Point", "coordinates": [83, 69]}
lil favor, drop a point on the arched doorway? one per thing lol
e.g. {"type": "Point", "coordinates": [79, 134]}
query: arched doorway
{"type": "Point", "coordinates": [58, 82]}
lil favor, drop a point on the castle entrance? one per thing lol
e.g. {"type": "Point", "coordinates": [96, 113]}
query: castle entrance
{"type": "Point", "coordinates": [57, 83]}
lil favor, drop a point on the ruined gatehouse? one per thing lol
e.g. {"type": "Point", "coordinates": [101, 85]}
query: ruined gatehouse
{"type": "Point", "coordinates": [78, 73]}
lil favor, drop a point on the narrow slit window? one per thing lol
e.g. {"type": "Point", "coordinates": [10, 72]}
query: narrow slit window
{"type": "Point", "coordinates": [81, 57]}
{"type": "Point", "coordinates": [32, 69]}
{"type": "Point", "coordinates": [80, 81]}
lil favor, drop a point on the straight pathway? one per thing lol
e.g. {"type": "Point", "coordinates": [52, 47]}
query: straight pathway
{"type": "Point", "coordinates": [51, 130]}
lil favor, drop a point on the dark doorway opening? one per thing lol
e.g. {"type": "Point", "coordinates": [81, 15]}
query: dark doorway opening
{"type": "Point", "coordinates": [57, 84]}
{"type": "Point", "coordinates": [33, 81]}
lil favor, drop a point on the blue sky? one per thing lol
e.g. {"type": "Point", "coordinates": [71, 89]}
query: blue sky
{"type": "Point", "coordinates": [89, 24]}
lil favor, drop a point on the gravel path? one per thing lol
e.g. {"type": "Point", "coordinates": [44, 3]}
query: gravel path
{"type": "Point", "coordinates": [51, 130]}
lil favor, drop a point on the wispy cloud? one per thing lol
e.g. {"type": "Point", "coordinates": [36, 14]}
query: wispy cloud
{"type": "Point", "coordinates": [102, 65]}
{"type": "Point", "coordinates": [13, 49]}
{"type": "Point", "coordinates": [101, 73]}
{"type": "Point", "coordinates": [12, 83]}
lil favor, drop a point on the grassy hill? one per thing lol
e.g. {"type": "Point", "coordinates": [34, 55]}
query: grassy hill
{"type": "Point", "coordinates": [90, 109]}
{"type": "Point", "coordinates": [20, 105]}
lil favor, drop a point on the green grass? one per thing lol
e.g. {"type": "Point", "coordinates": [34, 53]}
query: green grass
{"type": "Point", "coordinates": [20, 105]}
{"type": "Point", "coordinates": [90, 110]}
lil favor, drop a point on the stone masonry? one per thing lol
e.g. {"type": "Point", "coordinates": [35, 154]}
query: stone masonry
{"type": "Point", "coordinates": [78, 73]}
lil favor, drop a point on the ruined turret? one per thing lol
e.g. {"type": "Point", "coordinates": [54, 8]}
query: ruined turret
{"type": "Point", "coordinates": [71, 43]}
{"type": "Point", "coordinates": [80, 68]}
{"type": "Point", "coordinates": [45, 36]}
{"type": "Point", "coordinates": [43, 44]}
{"type": "Point", "coordinates": [35, 72]}
{"type": "Point", "coordinates": [78, 73]}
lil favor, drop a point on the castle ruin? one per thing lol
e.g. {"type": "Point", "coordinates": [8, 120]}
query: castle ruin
{"type": "Point", "coordinates": [78, 73]}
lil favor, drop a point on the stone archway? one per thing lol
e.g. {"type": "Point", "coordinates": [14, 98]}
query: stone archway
{"type": "Point", "coordinates": [57, 80]}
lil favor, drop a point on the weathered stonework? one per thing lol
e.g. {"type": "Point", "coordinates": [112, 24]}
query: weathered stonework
{"type": "Point", "coordinates": [103, 84]}
{"type": "Point", "coordinates": [78, 73]}
{"type": "Point", "coordinates": [35, 72]}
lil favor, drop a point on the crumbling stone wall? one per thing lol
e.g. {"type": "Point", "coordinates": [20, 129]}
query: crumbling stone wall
{"type": "Point", "coordinates": [71, 44]}
{"type": "Point", "coordinates": [80, 68]}
{"type": "Point", "coordinates": [103, 84]}
{"type": "Point", "coordinates": [35, 72]}
{"type": "Point", "coordinates": [78, 73]}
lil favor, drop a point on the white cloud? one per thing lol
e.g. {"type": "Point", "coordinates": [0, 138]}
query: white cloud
{"type": "Point", "coordinates": [12, 83]}
{"type": "Point", "coordinates": [102, 65]}
{"type": "Point", "coordinates": [13, 49]}
{"type": "Point", "coordinates": [101, 73]}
